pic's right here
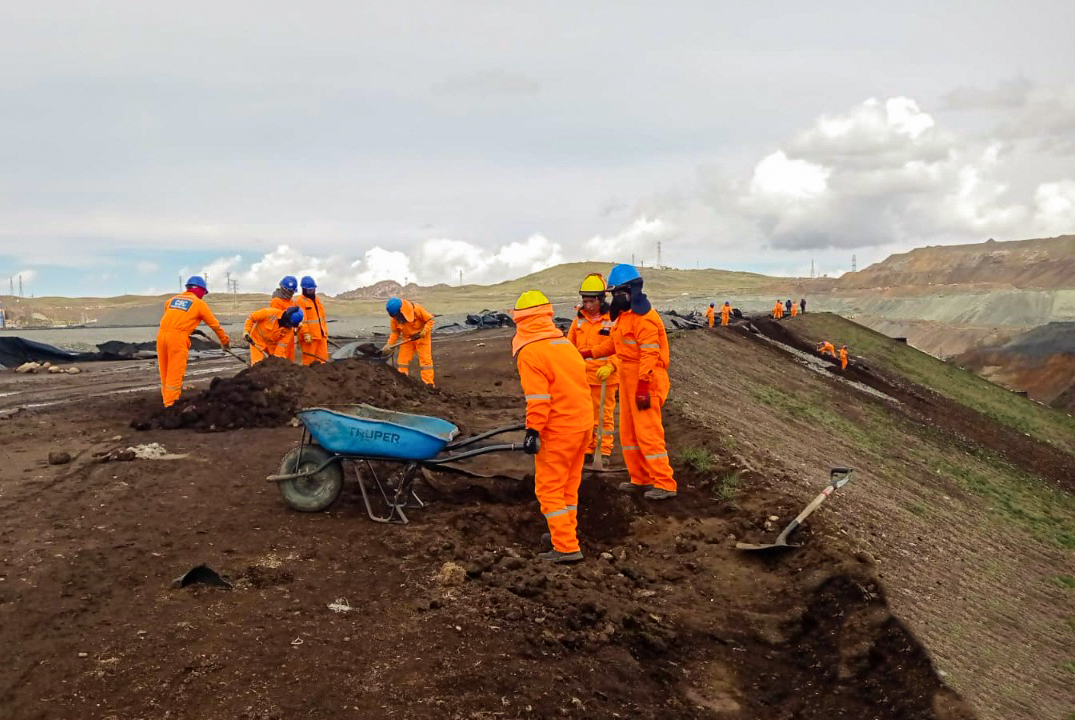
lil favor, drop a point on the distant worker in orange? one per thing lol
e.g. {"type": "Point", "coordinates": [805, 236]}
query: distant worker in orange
{"type": "Point", "coordinates": [182, 315]}
{"type": "Point", "coordinates": [826, 348]}
{"type": "Point", "coordinates": [778, 310]}
{"type": "Point", "coordinates": [266, 328]}
{"type": "Point", "coordinates": [589, 330]}
{"type": "Point", "coordinates": [843, 357]}
{"type": "Point", "coordinates": [282, 300]}
{"type": "Point", "coordinates": [711, 315]}
{"type": "Point", "coordinates": [414, 324]}
{"type": "Point", "coordinates": [640, 343]}
{"type": "Point", "coordinates": [559, 419]}
{"type": "Point", "coordinates": [313, 334]}
{"type": "Point", "coordinates": [794, 309]}
{"type": "Point", "coordinates": [725, 314]}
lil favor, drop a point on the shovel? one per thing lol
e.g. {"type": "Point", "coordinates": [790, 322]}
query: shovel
{"type": "Point", "coordinates": [838, 477]}
{"type": "Point", "coordinates": [598, 464]}
{"type": "Point", "coordinates": [229, 352]}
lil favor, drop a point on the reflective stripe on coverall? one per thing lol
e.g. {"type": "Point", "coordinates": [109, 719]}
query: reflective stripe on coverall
{"type": "Point", "coordinates": [285, 346]}
{"type": "Point", "coordinates": [553, 377]}
{"type": "Point", "coordinates": [182, 315]}
{"type": "Point", "coordinates": [585, 334]}
{"type": "Point", "coordinates": [416, 319]}
{"type": "Point", "coordinates": [264, 326]}
{"type": "Point", "coordinates": [641, 345]}
{"type": "Point", "coordinates": [313, 322]}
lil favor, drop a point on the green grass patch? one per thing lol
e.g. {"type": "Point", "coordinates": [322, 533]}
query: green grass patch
{"type": "Point", "coordinates": [1069, 666]}
{"type": "Point", "coordinates": [729, 484]}
{"type": "Point", "coordinates": [960, 385]}
{"type": "Point", "coordinates": [1064, 581]}
{"type": "Point", "coordinates": [917, 508]}
{"type": "Point", "coordinates": [697, 459]}
{"type": "Point", "coordinates": [1025, 501]}
{"type": "Point", "coordinates": [872, 430]}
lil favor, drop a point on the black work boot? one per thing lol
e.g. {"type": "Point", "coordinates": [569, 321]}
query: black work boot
{"type": "Point", "coordinates": [561, 557]}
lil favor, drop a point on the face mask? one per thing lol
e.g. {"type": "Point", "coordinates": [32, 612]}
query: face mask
{"type": "Point", "coordinates": [620, 303]}
{"type": "Point", "coordinates": [309, 292]}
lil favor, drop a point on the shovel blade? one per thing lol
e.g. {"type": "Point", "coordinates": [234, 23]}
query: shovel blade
{"type": "Point", "coordinates": [751, 547]}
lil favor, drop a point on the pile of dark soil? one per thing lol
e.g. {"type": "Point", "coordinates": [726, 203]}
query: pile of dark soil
{"type": "Point", "coordinates": [269, 394]}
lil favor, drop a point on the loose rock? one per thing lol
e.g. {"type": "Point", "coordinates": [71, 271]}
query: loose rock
{"type": "Point", "coordinates": [59, 457]}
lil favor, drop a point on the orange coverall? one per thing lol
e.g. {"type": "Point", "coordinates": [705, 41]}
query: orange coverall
{"type": "Point", "coordinates": [313, 322]}
{"type": "Point", "coordinates": [285, 346]}
{"type": "Point", "coordinates": [710, 315]}
{"type": "Point", "coordinates": [585, 334]}
{"type": "Point", "coordinates": [640, 343]}
{"type": "Point", "coordinates": [553, 376]}
{"type": "Point", "coordinates": [778, 310]}
{"type": "Point", "coordinates": [843, 358]}
{"type": "Point", "coordinates": [264, 326]}
{"type": "Point", "coordinates": [794, 310]}
{"type": "Point", "coordinates": [182, 315]}
{"type": "Point", "coordinates": [725, 314]}
{"type": "Point", "coordinates": [416, 320]}
{"type": "Point", "coordinates": [827, 348]}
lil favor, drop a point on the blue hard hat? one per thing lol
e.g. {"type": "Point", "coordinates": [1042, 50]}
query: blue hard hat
{"type": "Point", "coordinates": [197, 281]}
{"type": "Point", "coordinates": [621, 275]}
{"type": "Point", "coordinates": [393, 306]}
{"type": "Point", "coordinates": [289, 283]}
{"type": "Point", "coordinates": [293, 315]}
{"type": "Point", "coordinates": [308, 283]}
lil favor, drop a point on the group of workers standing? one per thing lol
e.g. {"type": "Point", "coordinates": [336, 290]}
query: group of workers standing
{"type": "Point", "coordinates": [788, 308]}
{"type": "Point", "coordinates": [274, 331]}
{"type": "Point", "coordinates": [725, 314]}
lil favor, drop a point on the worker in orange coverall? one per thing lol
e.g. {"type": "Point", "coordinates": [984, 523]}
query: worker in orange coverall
{"type": "Point", "coordinates": [590, 328]}
{"type": "Point", "coordinates": [843, 357]}
{"type": "Point", "coordinates": [282, 299]}
{"type": "Point", "coordinates": [794, 309]}
{"type": "Point", "coordinates": [414, 324]}
{"type": "Point", "coordinates": [313, 334]}
{"type": "Point", "coordinates": [182, 315]}
{"type": "Point", "coordinates": [725, 314]}
{"type": "Point", "coordinates": [826, 348]}
{"type": "Point", "coordinates": [559, 419]}
{"type": "Point", "coordinates": [266, 328]}
{"type": "Point", "coordinates": [778, 310]}
{"type": "Point", "coordinates": [640, 343]}
{"type": "Point", "coordinates": [711, 314]}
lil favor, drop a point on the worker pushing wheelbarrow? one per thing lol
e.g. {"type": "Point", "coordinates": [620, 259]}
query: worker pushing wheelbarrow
{"type": "Point", "coordinates": [311, 475]}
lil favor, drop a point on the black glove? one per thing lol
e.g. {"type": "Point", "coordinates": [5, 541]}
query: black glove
{"type": "Point", "coordinates": [532, 442]}
{"type": "Point", "coordinates": [416, 337]}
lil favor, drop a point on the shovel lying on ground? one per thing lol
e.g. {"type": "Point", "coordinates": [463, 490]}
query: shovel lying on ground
{"type": "Point", "coordinates": [229, 352]}
{"type": "Point", "coordinates": [838, 477]}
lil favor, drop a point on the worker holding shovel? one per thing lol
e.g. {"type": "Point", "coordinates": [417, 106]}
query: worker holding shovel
{"type": "Point", "coordinates": [592, 326]}
{"type": "Point", "coordinates": [412, 330]}
{"type": "Point", "coordinates": [640, 343]}
{"type": "Point", "coordinates": [559, 419]}
{"type": "Point", "coordinates": [182, 315]}
{"type": "Point", "coordinates": [282, 299]}
{"type": "Point", "coordinates": [266, 328]}
{"type": "Point", "coordinates": [313, 334]}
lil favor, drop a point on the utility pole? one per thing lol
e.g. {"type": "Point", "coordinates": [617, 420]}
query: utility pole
{"type": "Point", "coordinates": [20, 286]}
{"type": "Point", "coordinates": [658, 255]}
{"type": "Point", "coordinates": [854, 263]}
{"type": "Point", "coordinates": [11, 281]}
{"type": "Point", "coordinates": [460, 277]}
{"type": "Point", "coordinates": [181, 286]}
{"type": "Point", "coordinates": [812, 274]}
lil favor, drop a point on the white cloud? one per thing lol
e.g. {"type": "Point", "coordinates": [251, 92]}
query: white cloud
{"type": "Point", "coordinates": [1054, 205]}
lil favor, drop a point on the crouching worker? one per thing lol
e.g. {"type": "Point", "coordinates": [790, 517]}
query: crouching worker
{"type": "Point", "coordinates": [559, 419]}
{"type": "Point", "coordinates": [267, 328]}
{"type": "Point", "coordinates": [413, 325]}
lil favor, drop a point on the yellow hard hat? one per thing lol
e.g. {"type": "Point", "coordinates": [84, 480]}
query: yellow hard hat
{"type": "Point", "coordinates": [531, 298]}
{"type": "Point", "coordinates": [593, 284]}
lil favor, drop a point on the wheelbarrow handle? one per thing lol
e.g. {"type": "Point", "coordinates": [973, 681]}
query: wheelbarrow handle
{"type": "Point", "coordinates": [506, 447]}
{"type": "Point", "coordinates": [482, 436]}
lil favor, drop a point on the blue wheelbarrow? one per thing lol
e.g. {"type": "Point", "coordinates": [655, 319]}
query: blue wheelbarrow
{"type": "Point", "coordinates": [311, 475]}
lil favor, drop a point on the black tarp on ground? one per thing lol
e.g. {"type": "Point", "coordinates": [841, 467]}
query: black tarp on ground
{"type": "Point", "coordinates": [15, 351]}
{"type": "Point", "coordinates": [490, 319]}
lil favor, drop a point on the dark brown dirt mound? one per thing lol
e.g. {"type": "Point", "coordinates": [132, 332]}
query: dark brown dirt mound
{"type": "Point", "coordinates": [269, 394]}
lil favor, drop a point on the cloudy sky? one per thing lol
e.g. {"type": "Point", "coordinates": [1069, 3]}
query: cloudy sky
{"type": "Point", "coordinates": [358, 141]}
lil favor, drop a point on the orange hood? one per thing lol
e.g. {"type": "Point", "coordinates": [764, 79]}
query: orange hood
{"type": "Point", "coordinates": [531, 325]}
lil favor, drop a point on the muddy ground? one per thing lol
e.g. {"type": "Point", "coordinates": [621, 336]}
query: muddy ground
{"type": "Point", "coordinates": [663, 619]}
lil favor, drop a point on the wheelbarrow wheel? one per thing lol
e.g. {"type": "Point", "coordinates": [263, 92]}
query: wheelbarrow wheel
{"type": "Point", "coordinates": [315, 492]}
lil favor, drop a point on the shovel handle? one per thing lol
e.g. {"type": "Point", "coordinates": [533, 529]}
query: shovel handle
{"type": "Point", "coordinates": [843, 474]}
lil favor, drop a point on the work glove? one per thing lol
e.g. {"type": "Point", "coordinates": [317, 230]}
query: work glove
{"type": "Point", "coordinates": [226, 345]}
{"type": "Point", "coordinates": [532, 442]}
{"type": "Point", "coordinates": [604, 372]}
{"type": "Point", "coordinates": [642, 399]}
{"type": "Point", "coordinates": [307, 338]}
{"type": "Point", "coordinates": [586, 354]}
{"type": "Point", "coordinates": [416, 336]}
{"type": "Point", "coordinates": [249, 340]}
{"type": "Point", "coordinates": [386, 348]}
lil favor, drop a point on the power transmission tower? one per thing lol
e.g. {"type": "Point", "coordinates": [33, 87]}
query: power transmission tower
{"type": "Point", "coordinates": [658, 254]}
{"type": "Point", "coordinates": [812, 274]}
{"type": "Point", "coordinates": [854, 263]}
{"type": "Point", "coordinates": [20, 286]}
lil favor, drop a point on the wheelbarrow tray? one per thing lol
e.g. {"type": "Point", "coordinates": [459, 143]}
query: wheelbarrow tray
{"type": "Point", "coordinates": [371, 432]}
